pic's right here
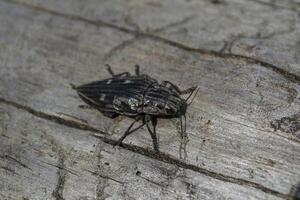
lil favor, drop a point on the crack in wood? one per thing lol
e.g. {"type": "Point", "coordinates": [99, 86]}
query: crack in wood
{"type": "Point", "coordinates": [17, 161]}
{"type": "Point", "coordinates": [274, 5]}
{"type": "Point", "coordinates": [60, 168]}
{"type": "Point", "coordinates": [61, 172]}
{"type": "Point", "coordinates": [160, 185]}
{"type": "Point", "coordinates": [146, 152]}
{"type": "Point", "coordinates": [58, 191]}
{"type": "Point", "coordinates": [102, 181]}
{"type": "Point", "coordinates": [174, 24]}
{"type": "Point", "coordinates": [9, 170]}
{"type": "Point", "coordinates": [119, 47]}
{"type": "Point", "coordinates": [73, 118]}
{"type": "Point", "coordinates": [138, 37]}
{"type": "Point", "coordinates": [104, 177]}
{"type": "Point", "coordinates": [57, 119]}
{"type": "Point", "coordinates": [174, 161]}
{"type": "Point", "coordinates": [286, 74]}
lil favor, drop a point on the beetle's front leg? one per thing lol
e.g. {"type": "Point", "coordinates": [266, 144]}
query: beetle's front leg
{"type": "Point", "coordinates": [176, 88]}
{"type": "Point", "coordinates": [108, 67]}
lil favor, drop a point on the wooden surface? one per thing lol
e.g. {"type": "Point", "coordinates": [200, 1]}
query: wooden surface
{"type": "Point", "coordinates": [243, 127]}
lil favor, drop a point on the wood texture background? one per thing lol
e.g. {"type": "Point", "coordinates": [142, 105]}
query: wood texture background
{"type": "Point", "coordinates": [243, 127]}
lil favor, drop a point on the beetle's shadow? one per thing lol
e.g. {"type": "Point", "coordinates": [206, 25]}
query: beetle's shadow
{"type": "Point", "coordinates": [183, 139]}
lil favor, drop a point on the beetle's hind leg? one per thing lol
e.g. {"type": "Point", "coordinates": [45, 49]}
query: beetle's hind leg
{"type": "Point", "coordinates": [110, 71]}
{"type": "Point", "coordinates": [129, 131]}
{"type": "Point", "coordinates": [137, 70]}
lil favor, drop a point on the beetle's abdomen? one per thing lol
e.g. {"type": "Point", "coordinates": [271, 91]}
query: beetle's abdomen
{"type": "Point", "coordinates": [115, 94]}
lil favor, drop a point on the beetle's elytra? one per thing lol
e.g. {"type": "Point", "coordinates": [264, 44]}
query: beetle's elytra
{"type": "Point", "coordinates": [138, 96]}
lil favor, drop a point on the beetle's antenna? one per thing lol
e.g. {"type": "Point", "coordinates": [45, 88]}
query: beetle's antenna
{"type": "Point", "coordinates": [181, 128]}
{"type": "Point", "coordinates": [197, 89]}
{"type": "Point", "coordinates": [193, 92]}
{"type": "Point", "coordinates": [193, 89]}
{"type": "Point", "coordinates": [184, 123]}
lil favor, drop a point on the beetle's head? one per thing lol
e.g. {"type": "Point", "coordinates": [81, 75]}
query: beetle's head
{"type": "Point", "coordinates": [177, 109]}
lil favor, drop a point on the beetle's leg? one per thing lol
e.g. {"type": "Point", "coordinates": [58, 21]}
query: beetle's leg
{"type": "Point", "coordinates": [110, 114]}
{"type": "Point", "coordinates": [176, 88]}
{"type": "Point", "coordinates": [189, 90]}
{"type": "Point", "coordinates": [154, 137]}
{"type": "Point", "coordinates": [137, 70]}
{"type": "Point", "coordinates": [129, 131]}
{"type": "Point", "coordinates": [152, 133]}
{"type": "Point", "coordinates": [85, 107]}
{"type": "Point", "coordinates": [108, 67]}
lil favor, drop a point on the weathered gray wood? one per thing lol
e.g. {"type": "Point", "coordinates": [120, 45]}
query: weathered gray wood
{"type": "Point", "coordinates": [44, 160]}
{"type": "Point", "coordinates": [263, 29]}
{"type": "Point", "coordinates": [232, 151]}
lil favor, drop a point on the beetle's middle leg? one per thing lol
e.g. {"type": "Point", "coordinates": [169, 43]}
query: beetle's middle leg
{"type": "Point", "coordinates": [137, 70]}
{"type": "Point", "coordinates": [110, 71]}
{"type": "Point", "coordinates": [176, 88]}
{"type": "Point", "coordinates": [85, 107]}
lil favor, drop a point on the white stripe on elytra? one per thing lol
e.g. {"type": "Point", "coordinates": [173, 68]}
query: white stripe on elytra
{"type": "Point", "coordinates": [102, 98]}
{"type": "Point", "coordinates": [109, 81]}
{"type": "Point", "coordinates": [127, 81]}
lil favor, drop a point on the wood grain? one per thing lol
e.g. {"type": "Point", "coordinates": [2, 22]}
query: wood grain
{"type": "Point", "coordinates": [239, 141]}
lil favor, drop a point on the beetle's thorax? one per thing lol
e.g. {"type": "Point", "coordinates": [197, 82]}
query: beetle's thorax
{"type": "Point", "coordinates": [162, 101]}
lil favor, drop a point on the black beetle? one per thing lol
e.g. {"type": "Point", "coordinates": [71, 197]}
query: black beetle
{"type": "Point", "coordinates": [138, 96]}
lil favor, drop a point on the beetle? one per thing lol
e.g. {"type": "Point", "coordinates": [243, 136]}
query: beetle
{"type": "Point", "coordinates": [137, 96]}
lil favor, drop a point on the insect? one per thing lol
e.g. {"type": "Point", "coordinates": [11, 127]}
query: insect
{"type": "Point", "coordinates": [137, 96]}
